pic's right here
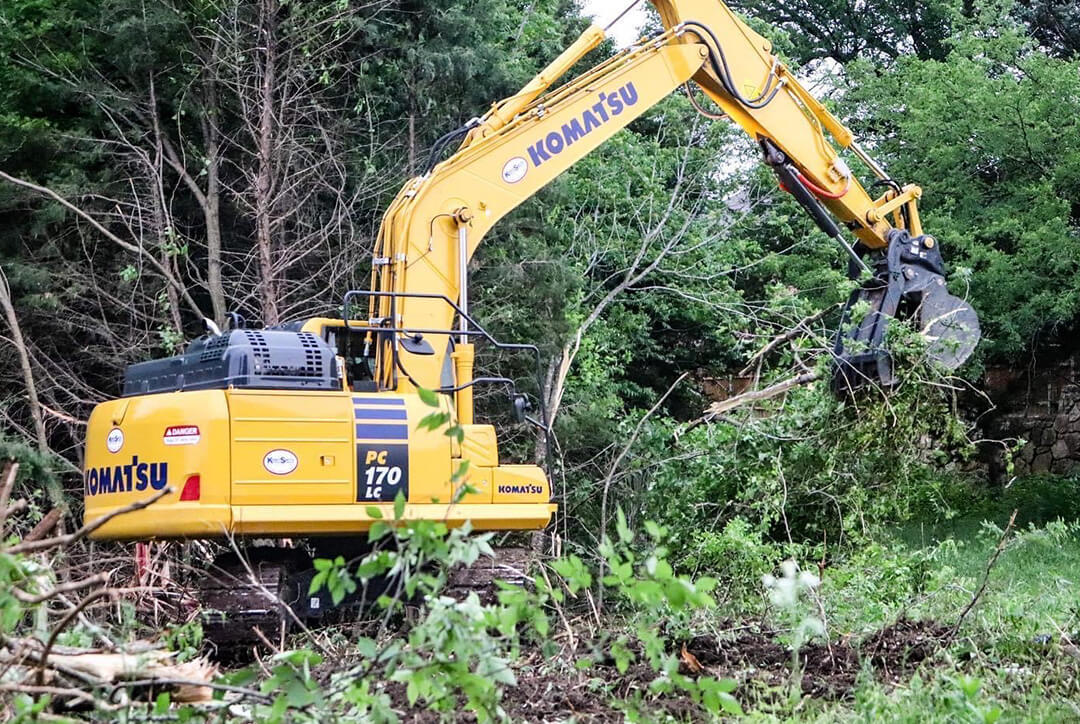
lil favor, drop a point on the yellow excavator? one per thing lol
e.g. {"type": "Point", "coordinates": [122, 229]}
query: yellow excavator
{"type": "Point", "coordinates": [312, 429]}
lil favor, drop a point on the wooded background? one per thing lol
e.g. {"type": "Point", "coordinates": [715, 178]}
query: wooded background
{"type": "Point", "coordinates": [165, 160]}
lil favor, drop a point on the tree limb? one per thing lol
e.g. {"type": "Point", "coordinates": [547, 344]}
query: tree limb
{"type": "Point", "coordinates": [126, 246]}
{"type": "Point", "coordinates": [719, 408]}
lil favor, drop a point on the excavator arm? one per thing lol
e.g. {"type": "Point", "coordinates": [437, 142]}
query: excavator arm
{"type": "Point", "coordinates": [434, 225]}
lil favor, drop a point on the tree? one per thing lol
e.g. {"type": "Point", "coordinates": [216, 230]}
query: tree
{"type": "Point", "coordinates": [845, 30]}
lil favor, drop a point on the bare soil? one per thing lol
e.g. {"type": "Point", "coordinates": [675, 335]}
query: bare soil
{"type": "Point", "coordinates": [749, 655]}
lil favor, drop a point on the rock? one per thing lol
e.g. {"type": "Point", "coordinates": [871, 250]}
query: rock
{"type": "Point", "coordinates": [1060, 449]}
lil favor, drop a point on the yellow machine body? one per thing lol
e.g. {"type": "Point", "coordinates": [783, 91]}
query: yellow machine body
{"type": "Point", "coordinates": [258, 462]}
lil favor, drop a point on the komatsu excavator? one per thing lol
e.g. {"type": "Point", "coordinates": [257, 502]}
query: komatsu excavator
{"type": "Point", "coordinates": [311, 430]}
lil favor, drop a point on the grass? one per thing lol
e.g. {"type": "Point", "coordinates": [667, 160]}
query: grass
{"type": "Point", "coordinates": [1013, 659]}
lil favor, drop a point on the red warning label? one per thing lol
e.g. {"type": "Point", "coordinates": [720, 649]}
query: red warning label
{"type": "Point", "coordinates": [182, 435]}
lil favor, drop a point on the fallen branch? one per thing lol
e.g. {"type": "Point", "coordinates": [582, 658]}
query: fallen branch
{"type": "Point", "coordinates": [66, 540]}
{"type": "Point", "coordinates": [193, 680]}
{"type": "Point", "coordinates": [98, 579]}
{"type": "Point", "coordinates": [44, 526]}
{"type": "Point", "coordinates": [790, 334]}
{"type": "Point", "coordinates": [719, 408]}
{"type": "Point", "coordinates": [986, 575]}
{"type": "Point", "coordinates": [67, 619]}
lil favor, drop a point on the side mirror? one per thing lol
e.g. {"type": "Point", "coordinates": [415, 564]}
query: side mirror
{"type": "Point", "coordinates": [520, 408]}
{"type": "Point", "coordinates": [416, 344]}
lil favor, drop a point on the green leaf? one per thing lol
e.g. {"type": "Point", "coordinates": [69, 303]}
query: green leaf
{"type": "Point", "coordinates": [623, 530]}
{"type": "Point", "coordinates": [434, 421]}
{"type": "Point", "coordinates": [428, 397]}
{"type": "Point", "coordinates": [399, 505]}
{"type": "Point", "coordinates": [366, 647]}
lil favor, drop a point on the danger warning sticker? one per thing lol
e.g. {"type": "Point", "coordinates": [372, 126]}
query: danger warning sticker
{"type": "Point", "coordinates": [182, 435]}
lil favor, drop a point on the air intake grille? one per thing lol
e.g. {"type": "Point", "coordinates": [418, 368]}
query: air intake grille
{"type": "Point", "coordinates": [251, 358]}
{"type": "Point", "coordinates": [214, 349]}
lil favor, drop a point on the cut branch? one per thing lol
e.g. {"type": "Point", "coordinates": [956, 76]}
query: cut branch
{"type": "Point", "coordinates": [66, 540]}
{"type": "Point", "coordinates": [998, 550]}
{"type": "Point", "coordinates": [724, 406]}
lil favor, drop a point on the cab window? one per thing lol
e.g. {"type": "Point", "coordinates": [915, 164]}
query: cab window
{"type": "Point", "coordinates": [359, 361]}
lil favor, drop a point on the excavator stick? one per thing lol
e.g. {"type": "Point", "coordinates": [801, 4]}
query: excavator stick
{"type": "Point", "coordinates": [908, 282]}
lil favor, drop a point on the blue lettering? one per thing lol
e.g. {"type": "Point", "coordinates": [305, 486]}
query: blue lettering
{"type": "Point", "coordinates": [590, 121]}
{"type": "Point", "coordinates": [554, 143]}
{"type": "Point", "coordinates": [141, 474]}
{"type": "Point", "coordinates": [538, 154]}
{"type": "Point", "coordinates": [615, 104]}
{"type": "Point", "coordinates": [159, 475]}
{"type": "Point", "coordinates": [572, 131]}
{"type": "Point", "coordinates": [124, 478]}
{"type": "Point", "coordinates": [521, 489]}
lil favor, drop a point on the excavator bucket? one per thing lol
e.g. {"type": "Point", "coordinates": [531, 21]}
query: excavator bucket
{"type": "Point", "coordinates": [908, 283]}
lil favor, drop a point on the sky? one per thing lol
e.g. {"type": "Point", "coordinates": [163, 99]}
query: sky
{"type": "Point", "coordinates": [605, 11]}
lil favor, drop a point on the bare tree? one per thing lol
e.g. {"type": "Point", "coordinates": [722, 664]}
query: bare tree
{"type": "Point", "coordinates": [19, 344]}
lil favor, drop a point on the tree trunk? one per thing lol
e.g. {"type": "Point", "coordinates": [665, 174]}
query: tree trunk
{"type": "Point", "coordinates": [212, 203]}
{"type": "Point", "coordinates": [24, 363]}
{"type": "Point", "coordinates": [264, 183]}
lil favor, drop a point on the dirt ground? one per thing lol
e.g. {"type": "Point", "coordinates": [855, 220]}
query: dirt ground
{"type": "Point", "coordinates": [750, 655]}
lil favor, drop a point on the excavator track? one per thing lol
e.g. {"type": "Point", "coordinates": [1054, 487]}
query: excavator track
{"type": "Point", "coordinates": [247, 599]}
{"type": "Point", "coordinates": [256, 591]}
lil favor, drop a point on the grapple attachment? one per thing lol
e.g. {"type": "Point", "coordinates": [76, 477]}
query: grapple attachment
{"type": "Point", "coordinates": [908, 282]}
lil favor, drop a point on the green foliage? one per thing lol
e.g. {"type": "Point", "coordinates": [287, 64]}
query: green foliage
{"type": "Point", "coordinates": [657, 604]}
{"type": "Point", "coordinates": [989, 132]}
{"type": "Point", "coordinates": [38, 478]}
{"type": "Point", "coordinates": [333, 576]}
{"type": "Point", "coordinates": [831, 29]}
{"type": "Point", "coordinates": [816, 470]}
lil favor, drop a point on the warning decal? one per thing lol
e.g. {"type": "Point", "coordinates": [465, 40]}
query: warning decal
{"type": "Point", "coordinates": [182, 435]}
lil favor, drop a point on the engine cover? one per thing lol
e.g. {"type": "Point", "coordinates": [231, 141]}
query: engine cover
{"type": "Point", "coordinates": [241, 358]}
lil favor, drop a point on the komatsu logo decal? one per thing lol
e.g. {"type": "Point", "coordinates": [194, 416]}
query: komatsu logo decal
{"type": "Point", "coordinates": [610, 105]}
{"type": "Point", "coordinates": [125, 478]}
{"type": "Point", "coordinates": [521, 489]}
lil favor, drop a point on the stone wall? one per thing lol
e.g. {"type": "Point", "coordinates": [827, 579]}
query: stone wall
{"type": "Point", "coordinates": [1040, 405]}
